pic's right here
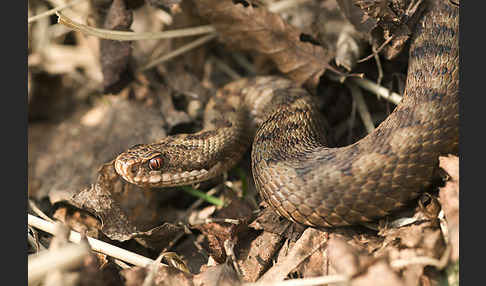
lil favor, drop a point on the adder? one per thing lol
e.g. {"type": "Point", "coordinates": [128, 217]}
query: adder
{"type": "Point", "coordinates": [293, 169]}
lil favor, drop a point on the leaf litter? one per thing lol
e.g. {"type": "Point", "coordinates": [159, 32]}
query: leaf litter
{"type": "Point", "coordinates": [71, 148]}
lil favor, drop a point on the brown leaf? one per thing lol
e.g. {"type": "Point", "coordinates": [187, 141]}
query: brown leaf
{"type": "Point", "coordinates": [409, 243]}
{"type": "Point", "coordinates": [450, 164]}
{"type": "Point", "coordinates": [271, 221]}
{"type": "Point", "coordinates": [389, 23]}
{"type": "Point", "coordinates": [449, 198]}
{"type": "Point", "coordinates": [162, 276]}
{"type": "Point", "coordinates": [101, 199]}
{"type": "Point", "coordinates": [79, 220]}
{"type": "Point", "coordinates": [217, 233]}
{"type": "Point", "coordinates": [338, 35]}
{"type": "Point", "coordinates": [310, 241]}
{"type": "Point", "coordinates": [256, 254]}
{"type": "Point", "coordinates": [134, 276]}
{"type": "Point", "coordinates": [249, 27]}
{"type": "Point", "coordinates": [343, 257]}
{"type": "Point", "coordinates": [377, 9]}
{"type": "Point", "coordinates": [356, 16]}
{"type": "Point", "coordinates": [218, 275]}
{"type": "Point", "coordinates": [173, 276]}
{"type": "Point", "coordinates": [378, 274]}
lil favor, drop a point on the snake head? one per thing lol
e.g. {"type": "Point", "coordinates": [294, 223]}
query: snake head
{"type": "Point", "coordinates": [158, 165]}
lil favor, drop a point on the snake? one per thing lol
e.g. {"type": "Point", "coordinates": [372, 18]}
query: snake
{"type": "Point", "coordinates": [294, 169]}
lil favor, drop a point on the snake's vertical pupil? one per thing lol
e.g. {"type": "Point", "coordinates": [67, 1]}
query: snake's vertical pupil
{"type": "Point", "coordinates": [155, 163]}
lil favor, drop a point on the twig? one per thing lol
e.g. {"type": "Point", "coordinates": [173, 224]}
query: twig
{"type": "Point", "coordinates": [362, 108]}
{"type": "Point", "coordinates": [378, 67]}
{"type": "Point", "coordinates": [377, 89]}
{"type": "Point", "coordinates": [95, 244]}
{"type": "Point", "coordinates": [53, 11]}
{"type": "Point", "coordinates": [132, 36]}
{"type": "Point", "coordinates": [229, 248]}
{"type": "Point", "coordinates": [37, 211]}
{"type": "Point", "coordinates": [243, 62]}
{"type": "Point", "coordinates": [179, 51]}
{"type": "Point", "coordinates": [226, 69]}
{"type": "Point", "coordinates": [377, 51]}
{"type": "Point", "coordinates": [352, 118]}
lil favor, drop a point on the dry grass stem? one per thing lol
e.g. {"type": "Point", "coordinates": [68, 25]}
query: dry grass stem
{"type": "Point", "coordinates": [244, 63]}
{"type": "Point", "coordinates": [53, 11]}
{"type": "Point", "coordinates": [96, 245]}
{"type": "Point", "coordinates": [226, 68]}
{"type": "Point", "coordinates": [179, 51]}
{"type": "Point", "coordinates": [37, 211]}
{"type": "Point", "coordinates": [378, 90]}
{"type": "Point", "coordinates": [361, 106]}
{"type": "Point", "coordinates": [132, 36]}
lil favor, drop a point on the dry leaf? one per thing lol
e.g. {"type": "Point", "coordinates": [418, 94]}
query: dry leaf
{"type": "Point", "coordinates": [343, 257]}
{"type": "Point", "coordinates": [217, 233]}
{"type": "Point", "coordinates": [218, 275]}
{"type": "Point", "coordinates": [256, 254]}
{"type": "Point", "coordinates": [378, 274]}
{"type": "Point", "coordinates": [377, 9]}
{"type": "Point", "coordinates": [338, 35]}
{"type": "Point", "coordinates": [310, 241]}
{"type": "Point", "coordinates": [357, 17]}
{"type": "Point", "coordinates": [118, 223]}
{"type": "Point", "coordinates": [388, 24]}
{"type": "Point", "coordinates": [246, 26]}
{"type": "Point", "coordinates": [449, 197]}
{"type": "Point", "coordinates": [163, 276]}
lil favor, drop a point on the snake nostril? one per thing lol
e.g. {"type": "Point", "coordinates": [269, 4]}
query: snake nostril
{"type": "Point", "coordinates": [133, 169]}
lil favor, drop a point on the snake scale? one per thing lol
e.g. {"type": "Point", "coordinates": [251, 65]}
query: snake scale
{"type": "Point", "coordinates": [293, 170]}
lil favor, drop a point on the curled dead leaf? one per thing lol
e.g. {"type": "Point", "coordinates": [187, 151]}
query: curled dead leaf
{"type": "Point", "coordinates": [252, 27]}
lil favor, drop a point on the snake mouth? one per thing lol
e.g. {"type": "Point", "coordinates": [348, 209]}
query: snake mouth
{"type": "Point", "coordinates": [135, 174]}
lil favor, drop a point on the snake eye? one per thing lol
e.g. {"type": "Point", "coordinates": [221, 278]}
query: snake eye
{"type": "Point", "coordinates": [155, 163]}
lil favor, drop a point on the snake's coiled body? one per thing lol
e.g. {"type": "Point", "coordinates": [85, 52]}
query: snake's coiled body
{"type": "Point", "coordinates": [294, 171]}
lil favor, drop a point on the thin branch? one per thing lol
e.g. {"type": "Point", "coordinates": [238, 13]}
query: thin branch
{"type": "Point", "coordinates": [96, 245]}
{"type": "Point", "coordinates": [135, 36]}
{"type": "Point", "coordinates": [53, 11]}
{"type": "Point", "coordinates": [362, 108]}
{"type": "Point", "coordinates": [226, 68]}
{"type": "Point", "coordinates": [179, 51]}
{"type": "Point", "coordinates": [132, 36]}
{"type": "Point", "coordinates": [377, 89]}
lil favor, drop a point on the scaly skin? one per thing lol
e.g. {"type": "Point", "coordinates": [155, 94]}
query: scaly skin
{"type": "Point", "coordinates": [294, 171]}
